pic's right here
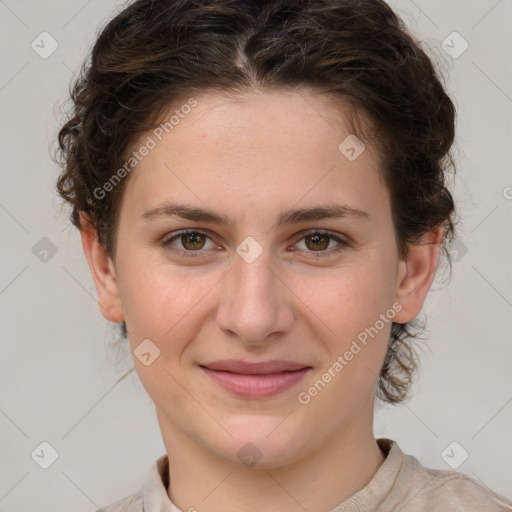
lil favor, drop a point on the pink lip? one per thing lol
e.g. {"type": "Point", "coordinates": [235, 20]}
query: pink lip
{"type": "Point", "coordinates": [255, 380]}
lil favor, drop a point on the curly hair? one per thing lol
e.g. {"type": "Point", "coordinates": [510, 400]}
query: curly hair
{"type": "Point", "coordinates": [155, 52]}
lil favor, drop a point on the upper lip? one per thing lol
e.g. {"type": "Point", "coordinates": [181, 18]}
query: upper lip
{"type": "Point", "coordinates": [249, 368]}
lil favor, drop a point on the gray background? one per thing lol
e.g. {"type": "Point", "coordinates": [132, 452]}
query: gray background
{"type": "Point", "coordinates": [57, 370]}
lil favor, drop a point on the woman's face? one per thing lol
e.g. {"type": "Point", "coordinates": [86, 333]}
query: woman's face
{"type": "Point", "coordinates": [261, 288]}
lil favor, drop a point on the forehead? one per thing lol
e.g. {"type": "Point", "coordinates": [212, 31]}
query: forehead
{"type": "Point", "coordinates": [277, 148]}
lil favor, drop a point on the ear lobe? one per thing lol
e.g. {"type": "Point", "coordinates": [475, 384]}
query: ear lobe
{"type": "Point", "coordinates": [417, 274]}
{"type": "Point", "coordinates": [102, 271]}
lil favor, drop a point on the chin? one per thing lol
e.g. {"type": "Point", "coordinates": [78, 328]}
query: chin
{"type": "Point", "coordinates": [261, 442]}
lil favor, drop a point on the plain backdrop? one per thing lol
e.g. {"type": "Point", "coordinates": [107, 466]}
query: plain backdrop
{"type": "Point", "coordinates": [57, 368]}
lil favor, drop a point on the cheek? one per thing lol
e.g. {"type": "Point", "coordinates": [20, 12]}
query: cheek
{"type": "Point", "coordinates": [355, 309]}
{"type": "Point", "coordinates": [161, 300]}
{"type": "Point", "coordinates": [359, 319]}
{"type": "Point", "coordinates": [346, 300]}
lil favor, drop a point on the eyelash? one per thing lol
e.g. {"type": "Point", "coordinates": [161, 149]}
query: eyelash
{"type": "Point", "coordinates": [166, 243]}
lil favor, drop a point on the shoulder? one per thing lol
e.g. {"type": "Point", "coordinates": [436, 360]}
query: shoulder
{"type": "Point", "coordinates": [132, 503]}
{"type": "Point", "coordinates": [153, 492]}
{"type": "Point", "coordinates": [437, 489]}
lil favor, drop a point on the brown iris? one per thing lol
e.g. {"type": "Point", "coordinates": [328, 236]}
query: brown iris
{"type": "Point", "coordinates": [315, 239]}
{"type": "Point", "coordinates": [193, 239]}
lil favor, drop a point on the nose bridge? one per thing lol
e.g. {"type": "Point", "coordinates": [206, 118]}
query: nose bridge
{"type": "Point", "coordinates": [254, 303]}
{"type": "Point", "coordinates": [254, 274]}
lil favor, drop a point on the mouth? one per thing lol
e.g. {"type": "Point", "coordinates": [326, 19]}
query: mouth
{"type": "Point", "coordinates": [255, 380]}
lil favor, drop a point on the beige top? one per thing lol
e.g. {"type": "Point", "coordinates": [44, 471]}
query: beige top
{"type": "Point", "coordinates": [400, 484]}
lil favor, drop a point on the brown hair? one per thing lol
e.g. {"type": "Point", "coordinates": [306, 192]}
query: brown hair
{"type": "Point", "coordinates": [155, 52]}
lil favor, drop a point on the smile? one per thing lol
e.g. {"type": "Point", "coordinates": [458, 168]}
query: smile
{"type": "Point", "coordinates": [255, 380]}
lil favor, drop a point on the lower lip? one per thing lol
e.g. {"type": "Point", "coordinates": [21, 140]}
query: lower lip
{"type": "Point", "coordinates": [256, 386]}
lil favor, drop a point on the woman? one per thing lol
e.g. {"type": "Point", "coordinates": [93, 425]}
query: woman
{"type": "Point", "coordinates": [260, 191]}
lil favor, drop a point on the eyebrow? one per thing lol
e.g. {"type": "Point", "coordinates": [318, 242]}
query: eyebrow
{"type": "Point", "coordinates": [328, 211]}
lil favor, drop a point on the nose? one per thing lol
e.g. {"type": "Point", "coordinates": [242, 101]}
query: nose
{"type": "Point", "coordinates": [255, 303]}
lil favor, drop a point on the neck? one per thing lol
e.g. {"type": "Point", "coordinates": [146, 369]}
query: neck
{"type": "Point", "coordinates": [340, 467]}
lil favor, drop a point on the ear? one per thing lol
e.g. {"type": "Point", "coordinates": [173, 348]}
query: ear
{"type": "Point", "coordinates": [103, 272]}
{"type": "Point", "coordinates": [416, 274]}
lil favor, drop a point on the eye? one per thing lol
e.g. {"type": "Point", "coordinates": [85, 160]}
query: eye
{"type": "Point", "coordinates": [193, 243]}
{"type": "Point", "coordinates": [319, 240]}
{"type": "Point", "coordinates": [191, 240]}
